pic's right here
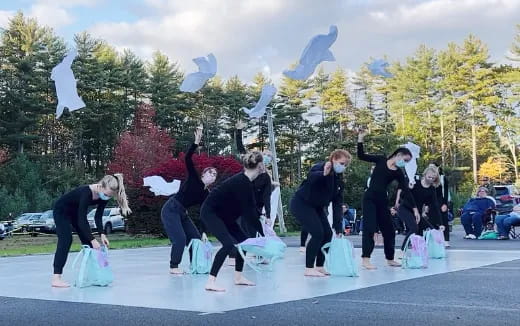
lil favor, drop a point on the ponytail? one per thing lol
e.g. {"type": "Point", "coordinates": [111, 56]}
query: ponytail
{"type": "Point", "coordinates": [115, 183]}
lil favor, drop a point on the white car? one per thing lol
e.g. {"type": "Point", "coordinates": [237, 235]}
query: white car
{"type": "Point", "coordinates": [112, 220]}
{"type": "Point", "coordinates": [23, 221]}
{"type": "Point", "coordinates": [44, 223]}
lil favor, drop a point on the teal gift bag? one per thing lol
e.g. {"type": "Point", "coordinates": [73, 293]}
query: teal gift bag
{"type": "Point", "coordinates": [268, 249]}
{"type": "Point", "coordinates": [339, 260]}
{"type": "Point", "coordinates": [201, 256]}
{"type": "Point", "coordinates": [94, 269]}
{"type": "Point", "coordinates": [415, 253]}
{"type": "Point", "coordinates": [435, 244]}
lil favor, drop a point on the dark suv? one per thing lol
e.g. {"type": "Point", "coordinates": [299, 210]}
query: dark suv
{"type": "Point", "coordinates": [506, 197]}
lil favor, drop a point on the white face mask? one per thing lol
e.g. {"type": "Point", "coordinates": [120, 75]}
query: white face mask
{"type": "Point", "coordinates": [208, 178]}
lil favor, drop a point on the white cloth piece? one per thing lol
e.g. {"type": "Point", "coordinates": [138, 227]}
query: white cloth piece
{"type": "Point", "coordinates": [378, 68]}
{"type": "Point", "coordinates": [268, 92]}
{"type": "Point", "coordinates": [160, 187]}
{"type": "Point", "coordinates": [207, 69]}
{"type": "Point", "coordinates": [66, 85]}
{"type": "Point", "coordinates": [411, 167]}
{"type": "Point", "coordinates": [330, 216]}
{"type": "Point", "coordinates": [275, 196]}
{"type": "Point", "coordinates": [316, 52]}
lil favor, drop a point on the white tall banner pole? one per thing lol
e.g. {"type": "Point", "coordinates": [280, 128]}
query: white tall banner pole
{"type": "Point", "coordinates": [274, 163]}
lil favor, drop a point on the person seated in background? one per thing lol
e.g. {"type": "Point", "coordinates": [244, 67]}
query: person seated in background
{"type": "Point", "coordinates": [474, 211]}
{"type": "Point", "coordinates": [348, 218]}
{"type": "Point", "coordinates": [504, 222]}
{"type": "Point", "coordinates": [486, 183]}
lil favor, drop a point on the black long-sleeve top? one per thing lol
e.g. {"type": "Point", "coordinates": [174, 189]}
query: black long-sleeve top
{"type": "Point", "coordinates": [192, 192]}
{"type": "Point", "coordinates": [425, 197]}
{"type": "Point", "coordinates": [382, 176]}
{"type": "Point", "coordinates": [319, 190]}
{"type": "Point", "coordinates": [234, 198]}
{"type": "Point", "coordinates": [75, 204]}
{"type": "Point", "coordinates": [262, 184]}
{"type": "Point", "coordinates": [442, 192]}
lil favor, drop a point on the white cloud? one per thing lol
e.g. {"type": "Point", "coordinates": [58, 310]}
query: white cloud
{"type": "Point", "coordinates": [443, 13]}
{"type": "Point", "coordinates": [56, 13]}
{"type": "Point", "coordinates": [4, 17]}
{"type": "Point", "coordinates": [51, 15]}
{"type": "Point", "coordinates": [249, 36]}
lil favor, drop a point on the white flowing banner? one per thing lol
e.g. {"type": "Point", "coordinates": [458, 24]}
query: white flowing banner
{"type": "Point", "coordinates": [316, 51]}
{"type": "Point", "coordinates": [160, 187]}
{"type": "Point", "coordinates": [196, 80]}
{"type": "Point", "coordinates": [411, 167]}
{"type": "Point", "coordinates": [268, 92]}
{"type": "Point", "coordinates": [66, 85]}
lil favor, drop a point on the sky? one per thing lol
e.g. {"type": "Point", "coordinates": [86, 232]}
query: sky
{"type": "Point", "coordinates": [251, 36]}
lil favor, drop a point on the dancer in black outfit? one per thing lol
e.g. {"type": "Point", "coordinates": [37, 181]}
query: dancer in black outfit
{"type": "Point", "coordinates": [263, 184]}
{"type": "Point", "coordinates": [178, 226]}
{"type": "Point", "coordinates": [375, 200]}
{"type": "Point", "coordinates": [324, 184]}
{"type": "Point", "coordinates": [425, 199]}
{"type": "Point", "coordinates": [443, 195]}
{"type": "Point", "coordinates": [71, 209]}
{"type": "Point", "coordinates": [230, 200]}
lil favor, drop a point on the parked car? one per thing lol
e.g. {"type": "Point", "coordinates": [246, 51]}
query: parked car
{"type": "Point", "coordinates": [3, 233]}
{"type": "Point", "coordinates": [506, 197]}
{"type": "Point", "coordinates": [23, 221]}
{"type": "Point", "coordinates": [45, 223]}
{"type": "Point", "coordinates": [112, 220]}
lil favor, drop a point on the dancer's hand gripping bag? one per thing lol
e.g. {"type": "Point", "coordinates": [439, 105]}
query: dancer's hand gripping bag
{"type": "Point", "coordinates": [94, 269]}
{"type": "Point", "coordinates": [339, 260]}
{"type": "Point", "coordinates": [268, 248]}
{"type": "Point", "coordinates": [415, 253]}
{"type": "Point", "coordinates": [202, 256]}
{"type": "Point", "coordinates": [435, 244]}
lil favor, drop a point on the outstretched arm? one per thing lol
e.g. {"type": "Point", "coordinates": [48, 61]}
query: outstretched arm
{"type": "Point", "coordinates": [188, 159]}
{"type": "Point", "coordinates": [238, 137]}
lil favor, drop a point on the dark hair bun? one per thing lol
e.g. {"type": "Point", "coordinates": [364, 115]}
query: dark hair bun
{"type": "Point", "coordinates": [252, 159]}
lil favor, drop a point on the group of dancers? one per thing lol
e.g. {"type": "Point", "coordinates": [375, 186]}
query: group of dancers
{"type": "Point", "coordinates": [232, 209]}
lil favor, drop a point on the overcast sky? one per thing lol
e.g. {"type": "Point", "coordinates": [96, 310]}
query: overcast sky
{"type": "Point", "coordinates": [248, 36]}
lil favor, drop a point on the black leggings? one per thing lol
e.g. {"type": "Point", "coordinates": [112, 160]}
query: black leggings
{"type": "Point", "coordinates": [64, 232]}
{"type": "Point", "coordinates": [445, 222]}
{"type": "Point", "coordinates": [303, 237]}
{"type": "Point", "coordinates": [376, 213]}
{"type": "Point", "coordinates": [313, 220]}
{"type": "Point", "coordinates": [412, 227]}
{"type": "Point", "coordinates": [228, 234]}
{"type": "Point", "coordinates": [179, 228]}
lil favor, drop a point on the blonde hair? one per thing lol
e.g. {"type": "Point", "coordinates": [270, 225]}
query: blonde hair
{"type": "Point", "coordinates": [435, 170]}
{"type": "Point", "coordinates": [251, 159]}
{"type": "Point", "coordinates": [115, 183]}
{"type": "Point", "coordinates": [339, 153]}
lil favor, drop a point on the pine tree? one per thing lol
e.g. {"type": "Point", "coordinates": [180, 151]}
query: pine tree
{"type": "Point", "coordinates": [28, 53]}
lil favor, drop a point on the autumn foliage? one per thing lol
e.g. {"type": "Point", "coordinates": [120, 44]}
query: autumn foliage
{"type": "Point", "coordinates": [145, 150]}
{"type": "Point", "coordinates": [141, 148]}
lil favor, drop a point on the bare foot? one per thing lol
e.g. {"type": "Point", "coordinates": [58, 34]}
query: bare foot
{"type": "Point", "coordinates": [231, 262]}
{"type": "Point", "coordinates": [393, 263]}
{"type": "Point", "coordinates": [367, 265]}
{"type": "Point", "coordinates": [322, 270]}
{"type": "Point", "coordinates": [241, 280]}
{"type": "Point", "coordinates": [176, 271]}
{"type": "Point", "coordinates": [312, 272]}
{"type": "Point", "coordinates": [57, 282]}
{"type": "Point", "coordinates": [447, 244]}
{"type": "Point", "coordinates": [302, 249]}
{"type": "Point", "coordinates": [212, 286]}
